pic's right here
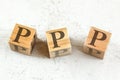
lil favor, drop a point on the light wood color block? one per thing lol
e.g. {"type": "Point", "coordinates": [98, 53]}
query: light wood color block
{"type": "Point", "coordinates": [22, 39]}
{"type": "Point", "coordinates": [97, 42]}
{"type": "Point", "coordinates": [58, 42]}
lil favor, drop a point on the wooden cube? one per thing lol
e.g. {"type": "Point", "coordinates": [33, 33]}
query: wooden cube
{"type": "Point", "coordinates": [96, 42]}
{"type": "Point", "coordinates": [22, 39]}
{"type": "Point", "coordinates": [58, 42]}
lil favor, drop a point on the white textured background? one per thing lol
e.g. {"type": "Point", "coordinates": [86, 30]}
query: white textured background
{"type": "Point", "coordinates": [77, 16]}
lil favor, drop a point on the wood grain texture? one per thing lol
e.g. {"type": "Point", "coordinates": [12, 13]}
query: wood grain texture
{"type": "Point", "coordinates": [99, 46]}
{"type": "Point", "coordinates": [24, 43]}
{"type": "Point", "coordinates": [63, 43]}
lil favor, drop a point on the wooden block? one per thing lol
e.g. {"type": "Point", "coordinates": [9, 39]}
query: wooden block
{"type": "Point", "coordinates": [58, 42]}
{"type": "Point", "coordinates": [96, 42]}
{"type": "Point", "coordinates": [22, 39]}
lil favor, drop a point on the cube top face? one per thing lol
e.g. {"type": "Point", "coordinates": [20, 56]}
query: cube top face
{"type": "Point", "coordinates": [22, 36]}
{"type": "Point", "coordinates": [97, 39]}
{"type": "Point", "coordinates": [63, 43]}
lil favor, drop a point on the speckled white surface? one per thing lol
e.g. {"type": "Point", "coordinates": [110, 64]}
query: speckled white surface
{"type": "Point", "coordinates": [77, 16]}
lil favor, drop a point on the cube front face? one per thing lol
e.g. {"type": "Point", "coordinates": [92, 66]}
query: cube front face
{"type": "Point", "coordinates": [20, 49]}
{"type": "Point", "coordinates": [60, 52]}
{"type": "Point", "coordinates": [58, 42]}
{"type": "Point", "coordinates": [93, 52]}
{"type": "Point", "coordinates": [96, 42]}
{"type": "Point", "coordinates": [22, 39]}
